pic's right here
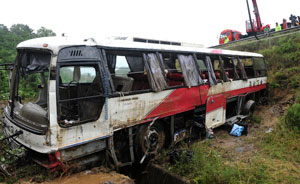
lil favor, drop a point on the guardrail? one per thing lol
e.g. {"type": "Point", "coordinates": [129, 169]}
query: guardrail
{"type": "Point", "coordinates": [283, 31]}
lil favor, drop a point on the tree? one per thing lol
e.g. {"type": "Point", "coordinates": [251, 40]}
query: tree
{"type": "Point", "coordinates": [23, 31]}
{"type": "Point", "coordinates": [9, 39]}
{"type": "Point", "coordinates": [43, 32]}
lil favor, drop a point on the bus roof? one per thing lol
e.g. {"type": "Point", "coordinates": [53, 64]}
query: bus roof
{"type": "Point", "coordinates": [54, 44]}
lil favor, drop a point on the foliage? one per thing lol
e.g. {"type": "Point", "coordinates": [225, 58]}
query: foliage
{"type": "Point", "coordinates": [209, 166]}
{"type": "Point", "coordinates": [292, 118]}
{"type": "Point", "coordinates": [44, 32]}
{"type": "Point", "coordinates": [9, 38]}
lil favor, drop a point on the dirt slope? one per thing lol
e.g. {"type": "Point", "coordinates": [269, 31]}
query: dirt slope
{"type": "Point", "coordinates": [244, 147]}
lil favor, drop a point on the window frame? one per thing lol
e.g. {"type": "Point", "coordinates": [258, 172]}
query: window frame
{"type": "Point", "coordinates": [127, 52]}
{"type": "Point", "coordinates": [265, 64]}
{"type": "Point", "coordinates": [81, 82]}
{"type": "Point", "coordinates": [58, 100]}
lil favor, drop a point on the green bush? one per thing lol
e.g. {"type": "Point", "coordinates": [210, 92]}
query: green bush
{"type": "Point", "coordinates": [280, 76]}
{"type": "Point", "coordinates": [297, 100]}
{"type": "Point", "coordinates": [294, 81]}
{"type": "Point", "coordinates": [274, 85]}
{"type": "Point", "coordinates": [292, 118]}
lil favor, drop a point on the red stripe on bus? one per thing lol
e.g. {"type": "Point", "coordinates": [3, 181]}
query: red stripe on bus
{"type": "Point", "coordinates": [185, 99]}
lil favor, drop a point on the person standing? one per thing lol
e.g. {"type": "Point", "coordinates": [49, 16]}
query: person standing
{"type": "Point", "coordinates": [278, 27]}
{"type": "Point", "coordinates": [226, 40]}
{"type": "Point", "coordinates": [267, 30]}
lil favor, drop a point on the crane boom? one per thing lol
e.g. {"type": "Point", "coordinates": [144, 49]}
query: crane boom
{"type": "Point", "coordinates": [257, 15]}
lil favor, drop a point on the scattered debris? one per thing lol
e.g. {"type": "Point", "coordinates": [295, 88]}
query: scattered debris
{"type": "Point", "coordinates": [210, 134]}
{"type": "Point", "coordinates": [269, 130]}
{"type": "Point", "coordinates": [236, 130]}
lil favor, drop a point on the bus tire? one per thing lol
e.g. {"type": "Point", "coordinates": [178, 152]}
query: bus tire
{"type": "Point", "coordinates": [249, 107]}
{"type": "Point", "coordinates": [149, 142]}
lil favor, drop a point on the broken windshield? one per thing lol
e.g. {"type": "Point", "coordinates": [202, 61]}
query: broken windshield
{"type": "Point", "coordinates": [28, 93]}
{"type": "Point", "coordinates": [34, 62]}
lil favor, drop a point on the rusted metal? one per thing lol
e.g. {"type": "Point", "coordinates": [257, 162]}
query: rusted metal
{"type": "Point", "coordinates": [53, 163]}
{"type": "Point", "coordinates": [131, 145]}
{"type": "Point", "coordinates": [112, 152]}
{"type": "Point", "coordinates": [172, 128]}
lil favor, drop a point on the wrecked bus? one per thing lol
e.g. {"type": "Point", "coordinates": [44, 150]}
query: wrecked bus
{"type": "Point", "coordinates": [126, 98]}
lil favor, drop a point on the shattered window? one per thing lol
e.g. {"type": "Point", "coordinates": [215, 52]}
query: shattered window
{"type": "Point", "coordinates": [216, 64]}
{"type": "Point", "coordinates": [230, 68]}
{"type": "Point", "coordinates": [127, 71]}
{"type": "Point", "coordinates": [173, 71]}
{"type": "Point", "coordinates": [29, 89]}
{"type": "Point", "coordinates": [201, 64]}
{"type": "Point", "coordinates": [122, 67]}
{"type": "Point", "coordinates": [248, 65]}
{"type": "Point", "coordinates": [247, 61]}
{"type": "Point", "coordinates": [80, 95]}
{"type": "Point", "coordinates": [259, 67]}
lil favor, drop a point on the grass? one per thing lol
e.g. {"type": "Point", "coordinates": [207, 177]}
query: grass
{"type": "Point", "coordinates": [214, 165]}
{"type": "Point", "coordinates": [276, 161]}
{"type": "Point", "coordinates": [274, 158]}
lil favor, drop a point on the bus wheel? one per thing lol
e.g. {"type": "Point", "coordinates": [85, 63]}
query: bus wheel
{"type": "Point", "coordinates": [249, 108]}
{"type": "Point", "coordinates": [149, 141]}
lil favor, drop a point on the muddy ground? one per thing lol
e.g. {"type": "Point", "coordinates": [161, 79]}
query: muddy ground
{"type": "Point", "coordinates": [97, 175]}
{"type": "Point", "coordinates": [94, 176]}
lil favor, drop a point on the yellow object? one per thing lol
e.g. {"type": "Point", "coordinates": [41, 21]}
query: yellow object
{"type": "Point", "coordinates": [278, 28]}
{"type": "Point", "coordinates": [226, 39]}
{"type": "Point", "coordinates": [177, 65]}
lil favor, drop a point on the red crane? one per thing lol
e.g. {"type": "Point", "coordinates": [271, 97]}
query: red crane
{"type": "Point", "coordinates": [256, 12]}
{"type": "Point", "coordinates": [254, 26]}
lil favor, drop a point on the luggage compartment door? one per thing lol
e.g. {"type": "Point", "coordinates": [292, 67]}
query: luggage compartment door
{"type": "Point", "coordinates": [215, 111]}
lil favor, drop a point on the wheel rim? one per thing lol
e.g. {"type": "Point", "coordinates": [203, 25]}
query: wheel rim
{"type": "Point", "coordinates": [153, 138]}
{"type": "Point", "coordinates": [152, 141]}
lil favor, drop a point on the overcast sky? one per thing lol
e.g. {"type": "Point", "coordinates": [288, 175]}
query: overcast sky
{"type": "Point", "coordinates": [193, 21]}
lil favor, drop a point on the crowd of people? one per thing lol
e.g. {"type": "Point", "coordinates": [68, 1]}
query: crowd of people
{"type": "Point", "coordinates": [295, 21]}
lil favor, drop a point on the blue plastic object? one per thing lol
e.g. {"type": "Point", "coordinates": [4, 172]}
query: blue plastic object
{"type": "Point", "coordinates": [236, 130]}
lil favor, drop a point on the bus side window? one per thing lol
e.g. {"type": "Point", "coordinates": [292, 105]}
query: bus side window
{"type": "Point", "coordinates": [127, 71]}
{"type": "Point", "coordinates": [202, 67]}
{"type": "Point", "coordinates": [248, 65]}
{"type": "Point", "coordinates": [234, 68]}
{"type": "Point", "coordinates": [259, 66]}
{"type": "Point", "coordinates": [228, 67]}
{"type": "Point", "coordinates": [220, 69]}
{"type": "Point", "coordinates": [122, 67]}
{"type": "Point", "coordinates": [216, 65]}
{"type": "Point", "coordinates": [173, 70]}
